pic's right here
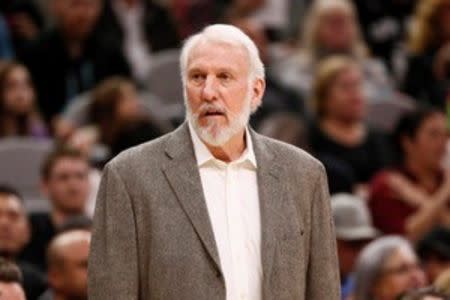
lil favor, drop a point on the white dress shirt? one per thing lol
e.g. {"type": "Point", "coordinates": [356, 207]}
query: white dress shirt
{"type": "Point", "coordinates": [231, 194]}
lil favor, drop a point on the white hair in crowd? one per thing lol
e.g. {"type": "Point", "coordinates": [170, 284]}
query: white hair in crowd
{"type": "Point", "coordinates": [226, 34]}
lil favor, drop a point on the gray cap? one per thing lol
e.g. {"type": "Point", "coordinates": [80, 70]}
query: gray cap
{"type": "Point", "coordinates": [352, 219]}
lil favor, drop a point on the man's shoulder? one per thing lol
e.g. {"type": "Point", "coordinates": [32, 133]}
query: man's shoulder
{"type": "Point", "coordinates": [152, 151]}
{"type": "Point", "coordinates": [292, 156]}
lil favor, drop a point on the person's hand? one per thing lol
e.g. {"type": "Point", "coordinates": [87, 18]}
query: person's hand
{"type": "Point", "coordinates": [23, 26]}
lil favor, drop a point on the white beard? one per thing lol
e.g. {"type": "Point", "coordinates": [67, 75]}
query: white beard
{"type": "Point", "coordinates": [214, 134]}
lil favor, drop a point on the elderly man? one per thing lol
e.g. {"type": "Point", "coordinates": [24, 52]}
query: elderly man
{"type": "Point", "coordinates": [213, 210]}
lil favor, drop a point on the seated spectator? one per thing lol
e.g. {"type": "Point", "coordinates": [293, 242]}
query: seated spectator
{"type": "Point", "coordinates": [140, 28]}
{"type": "Point", "coordinates": [354, 230]}
{"type": "Point", "coordinates": [427, 76]}
{"type": "Point", "coordinates": [25, 22]}
{"type": "Point", "coordinates": [66, 184]}
{"type": "Point", "coordinates": [10, 281]}
{"type": "Point", "coordinates": [414, 196]}
{"type": "Point", "coordinates": [386, 269]}
{"type": "Point", "coordinates": [332, 28]}
{"type": "Point", "coordinates": [339, 137]}
{"type": "Point", "coordinates": [15, 234]}
{"type": "Point", "coordinates": [434, 252]}
{"type": "Point", "coordinates": [117, 121]}
{"type": "Point", "coordinates": [67, 258]}
{"type": "Point", "coordinates": [18, 113]}
{"type": "Point", "coordinates": [71, 58]}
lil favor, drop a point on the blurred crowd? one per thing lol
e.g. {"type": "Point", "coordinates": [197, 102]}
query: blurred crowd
{"type": "Point", "coordinates": [362, 85]}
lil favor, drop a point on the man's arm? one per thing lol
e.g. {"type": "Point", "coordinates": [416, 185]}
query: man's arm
{"type": "Point", "coordinates": [323, 270]}
{"type": "Point", "coordinates": [113, 265]}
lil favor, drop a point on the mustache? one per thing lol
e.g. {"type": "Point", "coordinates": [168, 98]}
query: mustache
{"type": "Point", "coordinates": [211, 108]}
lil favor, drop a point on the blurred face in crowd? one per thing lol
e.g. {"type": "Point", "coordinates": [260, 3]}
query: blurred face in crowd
{"type": "Point", "coordinates": [400, 273]}
{"type": "Point", "coordinates": [220, 96]}
{"type": "Point", "coordinates": [68, 276]}
{"type": "Point", "coordinates": [345, 100]}
{"type": "Point", "coordinates": [77, 17]}
{"type": "Point", "coordinates": [427, 148]}
{"type": "Point", "coordinates": [348, 252]}
{"type": "Point", "coordinates": [11, 291]}
{"type": "Point", "coordinates": [14, 230]}
{"type": "Point", "coordinates": [128, 104]}
{"type": "Point", "coordinates": [68, 185]}
{"type": "Point", "coordinates": [256, 32]}
{"type": "Point", "coordinates": [336, 30]}
{"type": "Point", "coordinates": [18, 93]}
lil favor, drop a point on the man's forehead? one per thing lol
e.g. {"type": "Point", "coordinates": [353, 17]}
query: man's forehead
{"type": "Point", "coordinates": [11, 202]}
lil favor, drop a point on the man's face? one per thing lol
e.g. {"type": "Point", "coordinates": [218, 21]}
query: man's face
{"type": "Point", "coordinates": [68, 185]}
{"type": "Point", "coordinates": [11, 291]}
{"type": "Point", "coordinates": [71, 278]}
{"type": "Point", "coordinates": [220, 96]}
{"type": "Point", "coordinates": [77, 17]}
{"type": "Point", "coordinates": [14, 230]}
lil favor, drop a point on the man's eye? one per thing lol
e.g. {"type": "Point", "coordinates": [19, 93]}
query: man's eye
{"type": "Point", "coordinates": [197, 77]}
{"type": "Point", "coordinates": [224, 77]}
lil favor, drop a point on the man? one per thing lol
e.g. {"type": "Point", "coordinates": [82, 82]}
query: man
{"type": "Point", "coordinates": [354, 230]}
{"type": "Point", "coordinates": [14, 235]}
{"type": "Point", "coordinates": [67, 265]}
{"type": "Point", "coordinates": [213, 210]}
{"type": "Point", "coordinates": [71, 57]}
{"type": "Point", "coordinates": [10, 281]}
{"type": "Point", "coordinates": [66, 184]}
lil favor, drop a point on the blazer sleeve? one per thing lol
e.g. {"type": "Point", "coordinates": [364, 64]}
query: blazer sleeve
{"type": "Point", "coordinates": [323, 270]}
{"type": "Point", "coordinates": [113, 265]}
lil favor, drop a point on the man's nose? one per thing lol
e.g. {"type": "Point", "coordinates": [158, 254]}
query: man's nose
{"type": "Point", "coordinates": [209, 92]}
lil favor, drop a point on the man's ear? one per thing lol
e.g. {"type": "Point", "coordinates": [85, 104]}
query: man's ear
{"type": "Point", "coordinates": [258, 88]}
{"type": "Point", "coordinates": [43, 187]}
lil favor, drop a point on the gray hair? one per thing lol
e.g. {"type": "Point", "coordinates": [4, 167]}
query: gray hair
{"type": "Point", "coordinates": [227, 34]}
{"type": "Point", "coordinates": [371, 260]}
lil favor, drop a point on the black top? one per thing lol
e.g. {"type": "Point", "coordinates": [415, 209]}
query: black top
{"type": "Point", "coordinates": [420, 82]}
{"type": "Point", "coordinates": [34, 282]}
{"type": "Point", "coordinates": [59, 77]}
{"type": "Point", "coordinates": [42, 232]}
{"type": "Point", "coordinates": [356, 163]}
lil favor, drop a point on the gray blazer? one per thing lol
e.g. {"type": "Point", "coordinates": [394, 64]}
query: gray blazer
{"type": "Point", "coordinates": [153, 239]}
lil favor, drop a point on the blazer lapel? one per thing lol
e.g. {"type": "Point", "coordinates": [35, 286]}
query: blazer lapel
{"type": "Point", "coordinates": [271, 195]}
{"type": "Point", "coordinates": [182, 173]}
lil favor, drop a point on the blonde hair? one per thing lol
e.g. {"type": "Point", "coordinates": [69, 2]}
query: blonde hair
{"type": "Point", "coordinates": [327, 72]}
{"type": "Point", "coordinates": [424, 32]}
{"type": "Point", "coordinates": [316, 12]}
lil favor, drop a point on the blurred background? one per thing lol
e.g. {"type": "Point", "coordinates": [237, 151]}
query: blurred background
{"type": "Point", "coordinates": [362, 85]}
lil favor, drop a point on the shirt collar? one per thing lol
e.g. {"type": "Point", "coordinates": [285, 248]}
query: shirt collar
{"type": "Point", "coordinates": [204, 156]}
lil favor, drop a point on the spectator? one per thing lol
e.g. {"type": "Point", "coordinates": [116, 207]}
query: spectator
{"type": "Point", "coordinates": [25, 22]}
{"type": "Point", "coordinates": [339, 137]}
{"type": "Point", "coordinates": [10, 281]}
{"type": "Point", "coordinates": [442, 283]}
{"type": "Point", "coordinates": [65, 182]}
{"type": "Point", "coordinates": [18, 113]}
{"type": "Point", "coordinates": [117, 121]}
{"type": "Point", "coordinates": [140, 28]}
{"type": "Point", "coordinates": [332, 28]}
{"type": "Point", "coordinates": [428, 70]}
{"type": "Point", "coordinates": [434, 252]}
{"type": "Point", "coordinates": [386, 269]}
{"type": "Point", "coordinates": [67, 258]}
{"type": "Point", "coordinates": [413, 196]}
{"type": "Point", "coordinates": [354, 230]}
{"type": "Point", "coordinates": [15, 234]}
{"type": "Point", "coordinates": [71, 57]}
